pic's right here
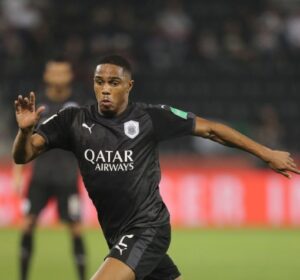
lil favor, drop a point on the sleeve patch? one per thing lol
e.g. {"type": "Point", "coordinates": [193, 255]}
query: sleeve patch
{"type": "Point", "coordinates": [179, 113]}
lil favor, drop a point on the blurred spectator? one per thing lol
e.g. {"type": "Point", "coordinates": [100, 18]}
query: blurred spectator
{"type": "Point", "coordinates": [21, 14]}
{"type": "Point", "coordinates": [14, 60]}
{"type": "Point", "coordinates": [293, 29]}
{"type": "Point", "coordinates": [174, 23]}
{"type": "Point", "coordinates": [233, 41]}
{"type": "Point", "coordinates": [269, 129]}
{"type": "Point", "coordinates": [169, 44]}
{"type": "Point", "coordinates": [268, 29]}
{"type": "Point", "coordinates": [207, 45]}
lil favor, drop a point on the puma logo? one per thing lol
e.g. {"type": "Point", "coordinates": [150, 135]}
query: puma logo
{"type": "Point", "coordinates": [88, 127]}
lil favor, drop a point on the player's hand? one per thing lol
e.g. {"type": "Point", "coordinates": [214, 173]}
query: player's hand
{"type": "Point", "coordinates": [282, 162]}
{"type": "Point", "coordinates": [26, 114]}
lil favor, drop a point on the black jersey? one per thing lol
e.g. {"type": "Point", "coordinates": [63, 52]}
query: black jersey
{"type": "Point", "coordinates": [60, 167]}
{"type": "Point", "coordinates": [118, 159]}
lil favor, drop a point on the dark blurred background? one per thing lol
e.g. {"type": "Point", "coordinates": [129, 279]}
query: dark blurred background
{"type": "Point", "coordinates": [232, 61]}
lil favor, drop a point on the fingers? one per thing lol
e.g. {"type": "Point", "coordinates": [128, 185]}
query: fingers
{"type": "Point", "coordinates": [284, 173]}
{"type": "Point", "coordinates": [32, 97]}
{"type": "Point", "coordinates": [283, 163]}
{"type": "Point", "coordinates": [32, 100]}
{"type": "Point", "coordinates": [21, 100]}
{"type": "Point", "coordinates": [292, 163]}
{"type": "Point", "coordinates": [295, 170]}
{"type": "Point", "coordinates": [25, 103]}
{"type": "Point", "coordinates": [17, 106]}
{"type": "Point", "coordinates": [40, 110]}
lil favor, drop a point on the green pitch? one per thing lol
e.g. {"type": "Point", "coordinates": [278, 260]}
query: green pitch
{"type": "Point", "coordinates": [200, 254]}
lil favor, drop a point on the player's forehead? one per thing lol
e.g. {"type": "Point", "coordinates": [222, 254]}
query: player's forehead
{"type": "Point", "coordinates": [109, 70]}
{"type": "Point", "coordinates": [58, 66]}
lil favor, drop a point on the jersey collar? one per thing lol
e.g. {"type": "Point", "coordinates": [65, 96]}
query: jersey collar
{"type": "Point", "coordinates": [113, 120]}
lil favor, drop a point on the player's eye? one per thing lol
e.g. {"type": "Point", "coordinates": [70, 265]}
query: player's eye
{"type": "Point", "coordinates": [115, 83]}
{"type": "Point", "coordinates": [99, 82]}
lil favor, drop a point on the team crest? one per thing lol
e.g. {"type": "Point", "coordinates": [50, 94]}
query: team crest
{"type": "Point", "coordinates": [131, 129]}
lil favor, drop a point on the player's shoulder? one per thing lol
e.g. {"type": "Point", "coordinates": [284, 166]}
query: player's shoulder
{"type": "Point", "coordinates": [163, 110]}
{"type": "Point", "coordinates": [70, 104]}
{"type": "Point", "coordinates": [71, 110]}
{"type": "Point", "coordinates": [154, 108]}
{"type": "Point", "coordinates": [144, 109]}
{"type": "Point", "coordinates": [148, 106]}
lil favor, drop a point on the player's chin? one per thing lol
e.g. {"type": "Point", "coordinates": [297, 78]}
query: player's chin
{"type": "Point", "coordinates": [107, 110]}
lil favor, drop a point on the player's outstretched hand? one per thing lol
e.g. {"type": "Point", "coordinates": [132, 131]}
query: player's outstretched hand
{"type": "Point", "coordinates": [26, 114]}
{"type": "Point", "coordinates": [282, 162]}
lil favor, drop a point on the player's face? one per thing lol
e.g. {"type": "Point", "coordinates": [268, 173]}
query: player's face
{"type": "Point", "coordinates": [112, 85]}
{"type": "Point", "coordinates": [58, 74]}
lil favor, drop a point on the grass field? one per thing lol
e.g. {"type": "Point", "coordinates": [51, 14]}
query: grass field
{"type": "Point", "coordinates": [200, 254]}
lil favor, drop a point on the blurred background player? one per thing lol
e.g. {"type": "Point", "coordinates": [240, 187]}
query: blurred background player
{"type": "Point", "coordinates": [54, 175]}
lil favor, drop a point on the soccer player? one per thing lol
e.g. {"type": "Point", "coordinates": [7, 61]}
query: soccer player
{"type": "Point", "coordinates": [54, 174]}
{"type": "Point", "coordinates": [116, 144]}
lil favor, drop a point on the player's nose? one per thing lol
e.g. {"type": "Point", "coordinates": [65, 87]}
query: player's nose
{"type": "Point", "coordinates": [105, 90]}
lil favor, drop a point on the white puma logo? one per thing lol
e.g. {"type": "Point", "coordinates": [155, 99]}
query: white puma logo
{"type": "Point", "coordinates": [88, 127]}
{"type": "Point", "coordinates": [122, 246]}
{"type": "Point", "coordinates": [120, 249]}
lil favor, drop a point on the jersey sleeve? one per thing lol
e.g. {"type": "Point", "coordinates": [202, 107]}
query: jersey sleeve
{"type": "Point", "coordinates": [169, 122]}
{"type": "Point", "coordinates": [56, 129]}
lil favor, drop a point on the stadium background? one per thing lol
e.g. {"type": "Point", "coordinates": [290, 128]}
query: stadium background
{"type": "Point", "coordinates": [232, 61]}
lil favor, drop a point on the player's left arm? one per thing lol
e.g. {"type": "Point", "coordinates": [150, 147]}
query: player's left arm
{"type": "Point", "coordinates": [279, 161]}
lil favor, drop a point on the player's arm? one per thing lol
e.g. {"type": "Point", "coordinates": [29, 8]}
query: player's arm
{"type": "Point", "coordinates": [279, 161]}
{"type": "Point", "coordinates": [17, 177]}
{"type": "Point", "coordinates": [27, 145]}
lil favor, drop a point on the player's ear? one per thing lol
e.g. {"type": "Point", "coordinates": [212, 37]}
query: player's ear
{"type": "Point", "coordinates": [45, 77]}
{"type": "Point", "coordinates": [130, 85]}
{"type": "Point", "coordinates": [71, 75]}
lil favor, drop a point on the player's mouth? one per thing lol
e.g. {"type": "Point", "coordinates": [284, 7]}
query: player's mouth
{"type": "Point", "coordinates": [106, 102]}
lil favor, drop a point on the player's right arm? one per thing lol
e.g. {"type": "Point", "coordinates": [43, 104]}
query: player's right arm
{"type": "Point", "coordinates": [27, 145]}
{"type": "Point", "coordinates": [280, 161]}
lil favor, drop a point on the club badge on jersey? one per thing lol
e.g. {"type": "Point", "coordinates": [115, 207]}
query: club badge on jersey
{"type": "Point", "coordinates": [131, 129]}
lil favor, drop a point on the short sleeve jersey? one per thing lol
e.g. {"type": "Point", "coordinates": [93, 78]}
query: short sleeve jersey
{"type": "Point", "coordinates": [60, 166]}
{"type": "Point", "coordinates": [118, 159]}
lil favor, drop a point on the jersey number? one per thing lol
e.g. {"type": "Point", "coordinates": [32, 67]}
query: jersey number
{"type": "Point", "coordinates": [121, 246]}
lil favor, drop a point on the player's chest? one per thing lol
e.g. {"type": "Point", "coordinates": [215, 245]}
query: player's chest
{"type": "Point", "coordinates": [110, 136]}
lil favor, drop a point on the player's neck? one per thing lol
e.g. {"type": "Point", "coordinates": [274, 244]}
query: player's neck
{"type": "Point", "coordinates": [57, 94]}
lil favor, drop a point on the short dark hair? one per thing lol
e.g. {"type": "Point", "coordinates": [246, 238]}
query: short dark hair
{"type": "Point", "coordinates": [59, 59]}
{"type": "Point", "coordinates": [57, 56]}
{"type": "Point", "coordinates": [118, 60]}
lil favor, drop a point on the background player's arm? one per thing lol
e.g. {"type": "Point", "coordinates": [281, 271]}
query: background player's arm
{"type": "Point", "coordinates": [279, 161]}
{"type": "Point", "coordinates": [27, 145]}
